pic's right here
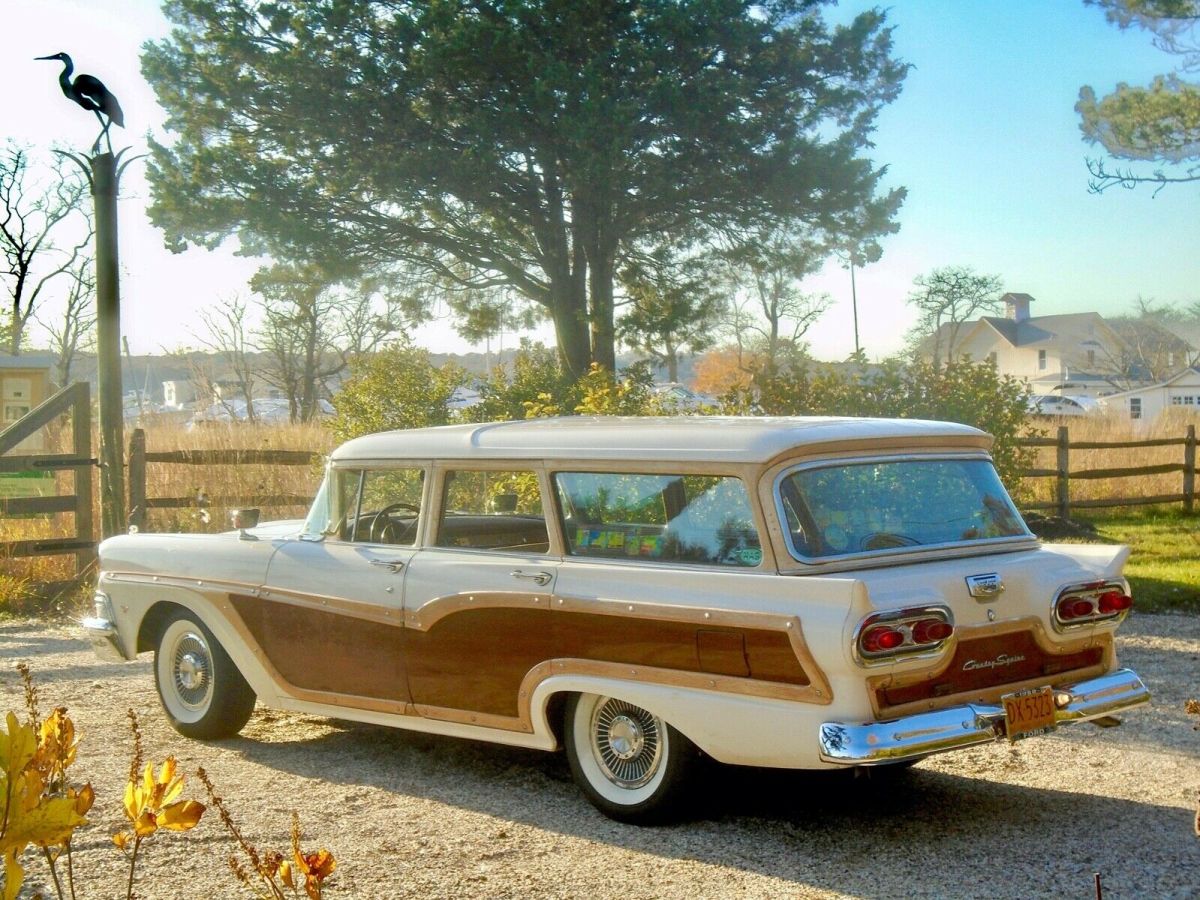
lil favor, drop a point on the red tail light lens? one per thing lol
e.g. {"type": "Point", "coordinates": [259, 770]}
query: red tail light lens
{"type": "Point", "coordinates": [902, 632]}
{"type": "Point", "coordinates": [1114, 602]}
{"type": "Point", "coordinates": [1074, 608]}
{"type": "Point", "coordinates": [930, 631]}
{"type": "Point", "coordinates": [881, 638]}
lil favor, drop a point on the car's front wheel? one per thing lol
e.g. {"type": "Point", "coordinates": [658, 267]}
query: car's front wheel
{"type": "Point", "coordinates": [202, 691]}
{"type": "Point", "coordinates": [629, 763]}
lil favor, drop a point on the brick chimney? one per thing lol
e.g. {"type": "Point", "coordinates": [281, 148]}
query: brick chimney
{"type": "Point", "coordinates": [1016, 306]}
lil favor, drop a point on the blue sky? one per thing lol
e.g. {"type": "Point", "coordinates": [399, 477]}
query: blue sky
{"type": "Point", "coordinates": [984, 136]}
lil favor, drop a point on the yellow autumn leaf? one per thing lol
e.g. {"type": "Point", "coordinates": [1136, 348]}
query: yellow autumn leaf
{"type": "Point", "coordinates": [56, 741]}
{"type": "Point", "coordinates": [122, 839]}
{"type": "Point", "coordinates": [28, 789]}
{"type": "Point", "coordinates": [133, 801]}
{"type": "Point", "coordinates": [169, 792]}
{"type": "Point", "coordinates": [145, 824]}
{"type": "Point", "coordinates": [285, 872]}
{"type": "Point", "coordinates": [51, 821]}
{"type": "Point", "coordinates": [84, 798]}
{"type": "Point", "coordinates": [181, 816]}
{"type": "Point", "coordinates": [17, 747]}
{"type": "Point", "coordinates": [14, 876]}
{"type": "Point", "coordinates": [167, 771]}
{"type": "Point", "coordinates": [148, 780]}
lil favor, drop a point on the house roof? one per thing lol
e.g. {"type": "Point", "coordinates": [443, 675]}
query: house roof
{"type": "Point", "coordinates": [27, 361]}
{"type": "Point", "coordinates": [716, 439]}
{"type": "Point", "coordinates": [1179, 376]}
{"type": "Point", "coordinates": [1040, 329]}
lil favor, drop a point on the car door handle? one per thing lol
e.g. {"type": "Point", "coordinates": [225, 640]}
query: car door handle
{"type": "Point", "coordinates": [393, 565]}
{"type": "Point", "coordinates": [541, 578]}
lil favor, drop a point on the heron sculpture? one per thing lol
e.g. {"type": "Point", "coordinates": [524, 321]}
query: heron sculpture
{"type": "Point", "coordinates": [90, 93]}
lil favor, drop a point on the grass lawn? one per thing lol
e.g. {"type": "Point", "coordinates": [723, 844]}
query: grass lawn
{"type": "Point", "coordinates": [1164, 567]}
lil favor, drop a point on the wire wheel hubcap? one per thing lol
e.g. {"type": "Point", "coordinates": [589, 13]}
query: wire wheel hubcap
{"type": "Point", "coordinates": [626, 743]}
{"type": "Point", "coordinates": [192, 670]}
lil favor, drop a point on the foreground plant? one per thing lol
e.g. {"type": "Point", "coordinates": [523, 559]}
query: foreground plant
{"type": "Point", "coordinates": [38, 804]}
{"type": "Point", "coordinates": [270, 871]}
{"type": "Point", "coordinates": [151, 803]}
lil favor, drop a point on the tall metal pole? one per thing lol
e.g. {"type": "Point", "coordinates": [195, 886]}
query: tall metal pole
{"type": "Point", "coordinates": [108, 345]}
{"type": "Point", "coordinates": [854, 302]}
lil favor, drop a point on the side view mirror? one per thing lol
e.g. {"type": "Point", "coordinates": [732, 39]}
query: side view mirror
{"type": "Point", "coordinates": [243, 519]}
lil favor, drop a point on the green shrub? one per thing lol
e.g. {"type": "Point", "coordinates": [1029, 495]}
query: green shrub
{"type": "Point", "coordinates": [535, 374]}
{"type": "Point", "coordinates": [397, 387]}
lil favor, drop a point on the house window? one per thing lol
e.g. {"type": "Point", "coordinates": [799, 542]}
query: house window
{"type": "Point", "coordinates": [1091, 358]}
{"type": "Point", "coordinates": [1041, 359]}
{"type": "Point", "coordinates": [991, 357]}
{"type": "Point", "coordinates": [1135, 407]}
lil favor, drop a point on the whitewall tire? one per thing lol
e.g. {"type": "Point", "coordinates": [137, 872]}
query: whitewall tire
{"type": "Point", "coordinates": [629, 763]}
{"type": "Point", "coordinates": [202, 692]}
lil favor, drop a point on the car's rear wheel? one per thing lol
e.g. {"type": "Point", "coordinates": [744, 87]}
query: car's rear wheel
{"type": "Point", "coordinates": [629, 763]}
{"type": "Point", "coordinates": [202, 692]}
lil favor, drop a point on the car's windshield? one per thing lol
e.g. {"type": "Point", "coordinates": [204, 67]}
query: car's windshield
{"type": "Point", "coordinates": [880, 506]}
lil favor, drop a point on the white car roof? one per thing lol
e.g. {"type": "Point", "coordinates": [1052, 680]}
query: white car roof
{"type": "Point", "coordinates": [691, 438]}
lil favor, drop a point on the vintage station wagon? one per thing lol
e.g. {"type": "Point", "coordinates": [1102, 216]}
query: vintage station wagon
{"type": "Point", "coordinates": [789, 592]}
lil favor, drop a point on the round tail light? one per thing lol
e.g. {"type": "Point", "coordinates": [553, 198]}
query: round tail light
{"type": "Point", "coordinates": [930, 631]}
{"type": "Point", "coordinates": [1074, 608]}
{"type": "Point", "coordinates": [880, 638]}
{"type": "Point", "coordinates": [1114, 602]}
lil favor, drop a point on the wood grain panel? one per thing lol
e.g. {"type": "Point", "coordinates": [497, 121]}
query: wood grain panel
{"type": "Point", "coordinates": [327, 651]}
{"type": "Point", "coordinates": [476, 659]}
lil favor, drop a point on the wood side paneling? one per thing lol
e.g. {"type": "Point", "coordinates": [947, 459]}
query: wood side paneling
{"type": "Point", "coordinates": [475, 659]}
{"type": "Point", "coordinates": [326, 651]}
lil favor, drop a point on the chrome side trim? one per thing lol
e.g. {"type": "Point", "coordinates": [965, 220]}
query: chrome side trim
{"type": "Point", "coordinates": [875, 743]}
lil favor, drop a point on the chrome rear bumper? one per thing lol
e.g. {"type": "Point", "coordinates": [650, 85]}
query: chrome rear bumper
{"type": "Point", "coordinates": [104, 638]}
{"type": "Point", "coordinates": [876, 743]}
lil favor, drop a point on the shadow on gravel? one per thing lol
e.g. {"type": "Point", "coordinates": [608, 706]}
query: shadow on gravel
{"type": "Point", "coordinates": [874, 835]}
{"type": "Point", "coordinates": [19, 644]}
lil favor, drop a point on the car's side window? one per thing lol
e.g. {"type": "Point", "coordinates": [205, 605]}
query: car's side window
{"type": "Point", "coordinates": [380, 506]}
{"type": "Point", "coordinates": [493, 510]}
{"type": "Point", "coordinates": [667, 518]}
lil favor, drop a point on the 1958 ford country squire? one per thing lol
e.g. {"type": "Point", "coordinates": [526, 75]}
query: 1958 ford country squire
{"type": "Point", "coordinates": [807, 593]}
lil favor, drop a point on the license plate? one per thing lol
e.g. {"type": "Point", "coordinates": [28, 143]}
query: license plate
{"type": "Point", "coordinates": [1028, 712]}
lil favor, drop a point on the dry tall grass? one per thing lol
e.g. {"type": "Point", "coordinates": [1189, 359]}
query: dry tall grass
{"type": "Point", "coordinates": [210, 486]}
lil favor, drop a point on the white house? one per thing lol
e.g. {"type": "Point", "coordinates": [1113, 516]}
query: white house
{"type": "Point", "coordinates": [1147, 403]}
{"type": "Point", "coordinates": [1068, 354]}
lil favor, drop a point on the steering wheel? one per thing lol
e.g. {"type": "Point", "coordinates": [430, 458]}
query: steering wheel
{"type": "Point", "coordinates": [382, 521]}
{"type": "Point", "coordinates": [885, 540]}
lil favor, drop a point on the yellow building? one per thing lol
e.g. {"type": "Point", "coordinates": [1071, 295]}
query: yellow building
{"type": "Point", "coordinates": [24, 383]}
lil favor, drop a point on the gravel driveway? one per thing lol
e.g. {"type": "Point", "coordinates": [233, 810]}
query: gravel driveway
{"type": "Point", "coordinates": [410, 815]}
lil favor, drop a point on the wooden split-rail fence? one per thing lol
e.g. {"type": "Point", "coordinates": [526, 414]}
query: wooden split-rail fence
{"type": "Point", "coordinates": [139, 458]}
{"type": "Point", "coordinates": [1062, 504]}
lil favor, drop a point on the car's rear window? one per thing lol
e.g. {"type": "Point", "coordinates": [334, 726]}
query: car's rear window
{"type": "Point", "coordinates": [883, 506]}
{"type": "Point", "coordinates": [704, 519]}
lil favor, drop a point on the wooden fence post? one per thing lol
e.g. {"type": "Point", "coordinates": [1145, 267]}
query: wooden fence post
{"type": "Point", "coordinates": [1189, 470]}
{"type": "Point", "coordinates": [1064, 472]}
{"type": "Point", "coordinates": [81, 440]}
{"type": "Point", "coordinates": [137, 479]}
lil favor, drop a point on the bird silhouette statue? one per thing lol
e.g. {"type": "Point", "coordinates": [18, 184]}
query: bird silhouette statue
{"type": "Point", "coordinates": [90, 93]}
